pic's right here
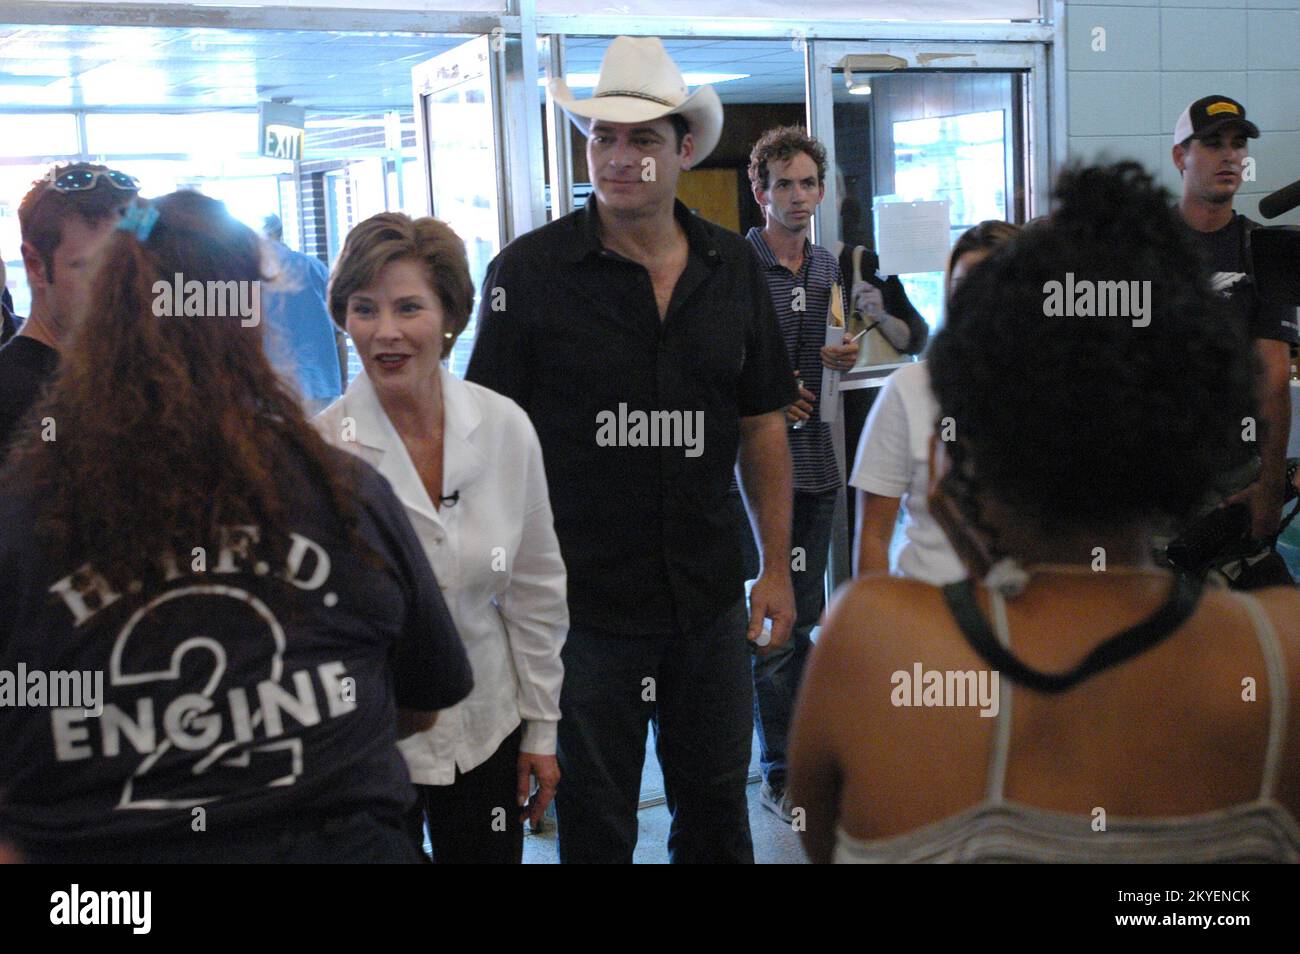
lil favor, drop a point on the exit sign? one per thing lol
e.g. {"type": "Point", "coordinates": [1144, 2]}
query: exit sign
{"type": "Point", "coordinates": [282, 130]}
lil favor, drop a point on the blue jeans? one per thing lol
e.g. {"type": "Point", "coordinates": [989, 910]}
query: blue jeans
{"type": "Point", "coordinates": [694, 687]}
{"type": "Point", "coordinates": [777, 675]}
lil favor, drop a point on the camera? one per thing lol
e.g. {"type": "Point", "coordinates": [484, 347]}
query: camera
{"type": "Point", "coordinates": [1223, 535]}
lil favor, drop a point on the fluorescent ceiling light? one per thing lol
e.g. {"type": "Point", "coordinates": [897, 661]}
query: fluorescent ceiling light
{"type": "Point", "coordinates": [588, 80]}
{"type": "Point", "coordinates": [856, 87]}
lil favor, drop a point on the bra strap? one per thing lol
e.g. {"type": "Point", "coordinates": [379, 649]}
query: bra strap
{"type": "Point", "coordinates": [1175, 611]}
{"type": "Point", "coordinates": [1279, 704]}
{"type": "Point", "coordinates": [995, 787]}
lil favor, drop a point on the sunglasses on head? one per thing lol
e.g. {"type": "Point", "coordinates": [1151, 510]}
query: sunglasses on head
{"type": "Point", "coordinates": [83, 180]}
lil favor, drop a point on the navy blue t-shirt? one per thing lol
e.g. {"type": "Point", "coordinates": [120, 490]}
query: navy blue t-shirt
{"type": "Point", "coordinates": [1231, 275]}
{"type": "Point", "coordinates": [26, 368]}
{"type": "Point", "coordinates": [263, 694]}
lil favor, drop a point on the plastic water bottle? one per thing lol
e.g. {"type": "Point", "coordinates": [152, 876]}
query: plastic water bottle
{"type": "Point", "coordinates": [797, 425]}
{"type": "Point", "coordinates": [765, 637]}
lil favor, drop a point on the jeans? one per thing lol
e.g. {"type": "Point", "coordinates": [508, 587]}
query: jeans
{"type": "Point", "coordinates": [694, 687]}
{"type": "Point", "coordinates": [778, 674]}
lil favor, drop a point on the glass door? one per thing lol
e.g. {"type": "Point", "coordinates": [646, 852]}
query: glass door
{"type": "Point", "coordinates": [967, 156]}
{"type": "Point", "coordinates": [906, 122]}
{"type": "Point", "coordinates": [458, 133]}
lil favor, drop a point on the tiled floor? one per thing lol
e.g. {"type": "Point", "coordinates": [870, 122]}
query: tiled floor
{"type": "Point", "coordinates": [774, 841]}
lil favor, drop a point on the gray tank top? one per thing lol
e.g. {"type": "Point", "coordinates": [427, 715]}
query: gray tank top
{"type": "Point", "coordinates": [996, 830]}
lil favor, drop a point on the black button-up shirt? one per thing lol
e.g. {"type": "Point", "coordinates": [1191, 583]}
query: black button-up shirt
{"type": "Point", "coordinates": [571, 331]}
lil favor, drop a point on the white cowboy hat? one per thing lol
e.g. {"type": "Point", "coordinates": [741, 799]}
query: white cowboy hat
{"type": "Point", "coordinates": [640, 82]}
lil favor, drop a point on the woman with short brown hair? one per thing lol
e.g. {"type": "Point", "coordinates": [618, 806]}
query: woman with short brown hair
{"type": "Point", "coordinates": [391, 236]}
{"type": "Point", "coordinates": [467, 466]}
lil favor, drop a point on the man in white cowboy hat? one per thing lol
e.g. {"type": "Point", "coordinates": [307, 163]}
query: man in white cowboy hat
{"type": "Point", "coordinates": [642, 342]}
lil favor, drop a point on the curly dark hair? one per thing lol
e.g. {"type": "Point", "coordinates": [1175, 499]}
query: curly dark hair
{"type": "Point", "coordinates": [781, 144]}
{"type": "Point", "coordinates": [1079, 423]}
{"type": "Point", "coordinates": [170, 426]}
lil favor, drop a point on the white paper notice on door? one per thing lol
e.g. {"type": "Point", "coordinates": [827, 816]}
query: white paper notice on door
{"type": "Point", "coordinates": [913, 236]}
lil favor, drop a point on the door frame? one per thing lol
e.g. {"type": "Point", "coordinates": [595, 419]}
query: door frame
{"type": "Point", "coordinates": [955, 56]}
{"type": "Point", "coordinates": [472, 60]}
{"type": "Point", "coordinates": [946, 55]}
{"type": "Point", "coordinates": [508, 62]}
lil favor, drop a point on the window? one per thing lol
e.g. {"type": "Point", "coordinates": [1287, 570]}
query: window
{"type": "Point", "coordinates": [961, 158]}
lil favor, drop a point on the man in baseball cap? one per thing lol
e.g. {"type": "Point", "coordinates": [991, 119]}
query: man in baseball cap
{"type": "Point", "coordinates": [1210, 114]}
{"type": "Point", "coordinates": [1209, 151]}
{"type": "Point", "coordinates": [643, 344]}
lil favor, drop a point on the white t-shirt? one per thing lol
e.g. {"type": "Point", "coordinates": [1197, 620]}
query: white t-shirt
{"type": "Point", "coordinates": [894, 461]}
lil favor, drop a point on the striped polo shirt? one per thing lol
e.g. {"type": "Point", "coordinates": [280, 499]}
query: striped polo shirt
{"type": "Point", "coordinates": [815, 470]}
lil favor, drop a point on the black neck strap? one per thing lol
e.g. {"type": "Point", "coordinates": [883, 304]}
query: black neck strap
{"type": "Point", "coordinates": [1161, 624]}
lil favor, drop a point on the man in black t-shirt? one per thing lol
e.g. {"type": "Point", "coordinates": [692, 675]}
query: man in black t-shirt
{"type": "Point", "coordinates": [65, 218]}
{"type": "Point", "coordinates": [1210, 152]}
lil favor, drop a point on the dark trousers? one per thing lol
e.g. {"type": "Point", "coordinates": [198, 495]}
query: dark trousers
{"type": "Point", "coordinates": [694, 688]}
{"type": "Point", "coordinates": [778, 675]}
{"type": "Point", "coordinates": [474, 820]}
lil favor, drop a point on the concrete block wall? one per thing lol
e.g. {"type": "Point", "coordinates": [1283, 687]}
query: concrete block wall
{"type": "Point", "coordinates": [1161, 55]}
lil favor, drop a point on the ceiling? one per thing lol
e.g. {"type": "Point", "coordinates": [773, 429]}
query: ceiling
{"type": "Point", "coordinates": [72, 67]}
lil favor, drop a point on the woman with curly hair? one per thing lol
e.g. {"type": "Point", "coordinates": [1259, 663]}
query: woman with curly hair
{"type": "Point", "coordinates": [1063, 701]}
{"type": "Point", "coordinates": [245, 612]}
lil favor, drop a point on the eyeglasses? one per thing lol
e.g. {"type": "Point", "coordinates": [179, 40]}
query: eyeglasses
{"type": "Point", "coordinates": [83, 180]}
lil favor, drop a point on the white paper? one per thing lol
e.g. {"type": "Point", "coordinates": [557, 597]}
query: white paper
{"type": "Point", "coordinates": [913, 236]}
{"type": "Point", "coordinates": [829, 408]}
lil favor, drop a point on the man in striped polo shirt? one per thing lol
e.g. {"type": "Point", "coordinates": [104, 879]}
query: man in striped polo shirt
{"type": "Point", "coordinates": [787, 170]}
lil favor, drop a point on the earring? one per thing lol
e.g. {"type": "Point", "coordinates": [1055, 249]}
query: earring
{"type": "Point", "coordinates": [448, 335]}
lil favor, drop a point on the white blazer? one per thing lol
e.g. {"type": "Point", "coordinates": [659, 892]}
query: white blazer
{"type": "Point", "coordinates": [496, 558]}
